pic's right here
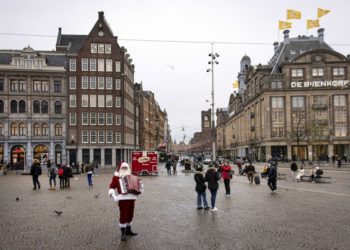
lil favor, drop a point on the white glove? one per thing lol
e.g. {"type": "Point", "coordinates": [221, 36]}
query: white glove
{"type": "Point", "coordinates": [111, 193]}
{"type": "Point", "coordinates": [115, 198]}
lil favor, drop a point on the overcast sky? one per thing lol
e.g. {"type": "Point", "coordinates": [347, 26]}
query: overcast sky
{"type": "Point", "coordinates": [176, 72]}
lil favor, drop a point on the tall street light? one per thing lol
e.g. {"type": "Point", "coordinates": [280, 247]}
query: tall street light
{"type": "Point", "coordinates": [213, 60]}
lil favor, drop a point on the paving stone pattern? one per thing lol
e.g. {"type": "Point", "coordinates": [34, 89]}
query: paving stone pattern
{"type": "Point", "coordinates": [166, 216]}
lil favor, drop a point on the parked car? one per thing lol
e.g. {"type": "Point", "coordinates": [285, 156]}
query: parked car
{"type": "Point", "coordinates": [207, 161]}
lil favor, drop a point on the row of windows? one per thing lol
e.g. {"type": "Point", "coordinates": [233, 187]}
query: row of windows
{"type": "Point", "coordinates": [318, 72]}
{"type": "Point", "coordinates": [94, 82]}
{"type": "Point", "coordinates": [299, 101]}
{"type": "Point", "coordinates": [94, 101]}
{"type": "Point", "coordinates": [99, 136]}
{"type": "Point", "coordinates": [38, 85]}
{"type": "Point", "coordinates": [38, 129]}
{"type": "Point", "coordinates": [93, 64]}
{"type": "Point", "coordinates": [101, 48]}
{"type": "Point", "coordinates": [95, 119]}
{"type": "Point", "coordinates": [38, 107]}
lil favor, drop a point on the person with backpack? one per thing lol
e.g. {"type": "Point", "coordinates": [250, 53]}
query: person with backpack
{"type": "Point", "coordinates": [200, 188]}
{"type": "Point", "coordinates": [61, 176]}
{"type": "Point", "coordinates": [52, 177]}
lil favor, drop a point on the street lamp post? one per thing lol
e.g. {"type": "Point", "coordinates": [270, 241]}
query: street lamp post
{"type": "Point", "coordinates": [213, 60]}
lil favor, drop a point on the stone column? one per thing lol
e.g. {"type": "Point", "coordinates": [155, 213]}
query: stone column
{"type": "Point", "coordinates": [102, 158]}
{"type": "Point", "coordinates": [91, 155]}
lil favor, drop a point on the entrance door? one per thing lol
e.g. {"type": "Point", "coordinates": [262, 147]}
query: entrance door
{"type": "Point", "coordinates": [41, 152]}
{"type": "Point", "coordinates": [17, 157]}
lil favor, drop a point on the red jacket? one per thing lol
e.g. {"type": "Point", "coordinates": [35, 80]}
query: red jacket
{"type": "Point", "coordinates": [225, 171]}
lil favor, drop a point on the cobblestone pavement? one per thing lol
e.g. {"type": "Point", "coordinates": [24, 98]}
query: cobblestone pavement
{"type": "Point", "coordinates": [305, 216]}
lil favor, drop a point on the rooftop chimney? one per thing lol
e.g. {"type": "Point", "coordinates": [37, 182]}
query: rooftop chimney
{"type": "Point", "coordinates": [321, 34]}
{"type": "Point", "coordinates": [100, 15]}
{"type": "Point", "coordinates": [286, 36]}
{"type": "Point", "coordinates": [275, 46]}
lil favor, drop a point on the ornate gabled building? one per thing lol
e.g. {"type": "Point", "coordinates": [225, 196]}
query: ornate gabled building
{"type": "Point", "coordinates": [101, 112]}
{"type": "Point", "coordinates": [295, 107]}
{"type": "Point", "coordinates": [32, 107]}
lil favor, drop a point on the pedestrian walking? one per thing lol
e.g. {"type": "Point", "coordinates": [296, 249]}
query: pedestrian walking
{"type": "Point", "coordinates": [339, 163]}
{"type": "Point", "coordinates": [168, 166]}
{"type": "Point", "coordinates": [293, 169]}
{"type": "Point", "coordinates": [174, 166]}
{"type": "Point", "coordinates": [48, 165]}
{"type": "Point", "coordinates": [125, 198]}
{"type": "Point", "coordinates": [35, 172]}
{"type": "Point", "coordinates": [250, 170]}
{"type": "Point", "coordinates": [200, 188]}
{"type": "Point", "coordinates": [96, 166]}
{"type": "Point", "coordinates": [226, 176]}
{"type": "Point", "coordinates": [272, 178]}
{"type": "Point", "coordinates": [239, 165]}
{"type": "Point", "coordinates": [82, 168]}
{"type": "Point", "coordinates": [68, 173]}
{"type": "Point", "coordinates": [212, 177]}
{"type": "Point", "coordinates": [89, 171]}
{"type": "Point", "coordinates": [52, 177]}
{"type": "Point", "coordinates": [60, 172]}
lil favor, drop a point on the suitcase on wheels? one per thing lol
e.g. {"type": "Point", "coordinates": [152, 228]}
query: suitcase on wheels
{"type": "Point", "coordinates": [257, 179]}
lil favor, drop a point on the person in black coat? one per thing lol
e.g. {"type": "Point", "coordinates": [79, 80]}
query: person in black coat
{"type": "Point", "coordinates": [200, 188]}
{"type": "Point", "coordinates": [212, 178]}
{"type": "Point", "coordinates": [35, 171]}
{"type": "Point", "coordinates": [272, 176]}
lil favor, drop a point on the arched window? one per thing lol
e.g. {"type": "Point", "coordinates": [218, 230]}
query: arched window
{"type": "Point", "coordinates": [1, 106]}
{"type": "Point", "coordinates": [58, 107]}
{"type": "Point", "coordinates": [36, 107]}
{"type": "Point", "coordinates": [13, 106]}
{"type": "Point", "coordinates": [58, 129]}
{"type": "Point", "coordinates": [22, 106]}
{"type": "Point", "coordinates": [1, 129]}
{"type": "Point", "coordinates": [36, 129]}
{"type": "Point", "coordinates": [14, 129]}
{"type": "Point", "coordinates": [22, 128]}
{"type": "Point", "coordinates": [44, 107]}
{"type": "Point", "coordinates": [44, 129]}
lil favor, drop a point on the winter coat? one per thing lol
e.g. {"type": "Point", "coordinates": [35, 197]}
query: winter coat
{"type": "Point", "coordinates": [53, 171]}
{"type": "Point", "coordinates": [225, 171]}
{"type": "Point", "coordinates": [200, 182]}
{"type": "Point", "coordinates": [272, 172]}
{"type": "Point", "coordinates": [212, 178]}
{"type": "Point", "coordinates": [68, 172]}
{"type": "Point", "coordinates": [35, 170]}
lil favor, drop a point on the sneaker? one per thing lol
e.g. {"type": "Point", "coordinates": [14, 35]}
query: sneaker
{"type": "Point", "coordinates": [228, 195]}
{"type": "Point", "coordinates": [275, 191]}
{"type": "Point", "coordinates": [199, 208]}
{"type": "Point", "coordinates": [214, 209]}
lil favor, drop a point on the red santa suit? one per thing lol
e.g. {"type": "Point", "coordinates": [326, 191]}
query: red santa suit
{"type": "Point", "coordinates": [125, 201]}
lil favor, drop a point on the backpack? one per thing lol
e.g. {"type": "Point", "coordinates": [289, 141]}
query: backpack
{"type": "Point", "coordinates": [60, 172]}
{"type": "Point", "coordinates": [53, 172]}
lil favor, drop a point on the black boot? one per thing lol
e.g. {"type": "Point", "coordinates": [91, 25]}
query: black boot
{"type": "Point", "coordinates": [123, 237]}
{"type": "Point", "coordinates": [129, 232]}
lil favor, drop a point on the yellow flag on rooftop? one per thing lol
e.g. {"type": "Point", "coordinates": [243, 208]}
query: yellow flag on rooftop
{"type": "Point", "coordinates": [235, 84]}
{"type": "Point", "coordinates": [321, 12]}
{"type": "Point", "coordinates": [312, 24]}
{"type": "Point", "coordinates": [293, 14]}
{"type": "Point", "coordinates": [282, 25]}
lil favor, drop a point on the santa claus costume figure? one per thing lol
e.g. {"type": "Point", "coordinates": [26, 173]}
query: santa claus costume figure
{"type": "Point", "coordinates": [126, 201]}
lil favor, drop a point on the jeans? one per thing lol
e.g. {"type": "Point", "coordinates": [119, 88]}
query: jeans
{"type": "Point", "coordinates": [89, 178]}
{"type": "Point", "coordinates": [227, 186]}
{"type": "Point", "coordinates": [201, 196]}
{"type": "Point", "coordinates": [36, 181]}
{"type": "Point", "coordinates": [272, 183]}
{"type": "Point", "coordinates": [52, 178]}
{"type": "Point", "coordinates": [213, 197]}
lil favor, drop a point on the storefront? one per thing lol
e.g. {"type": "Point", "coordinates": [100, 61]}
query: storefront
{"type": "Point", "coordinates": [17, 157]}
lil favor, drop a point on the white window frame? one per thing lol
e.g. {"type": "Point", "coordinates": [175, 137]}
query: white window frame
{"type": "Point", "coordinates": [109, 82]}
{"type": "Point", "coordinates": [72, 82]}
{"type": "Point", "coordinates": [101, 48]}
{"type": "Point", "coordinates": [85, 118]}
{"type": "Point", "coordinates": [94, 48]}
{"type": "Point", "coordinates": [338, 71]}
{"type": "Point", "coordinates": [93, 135]}
{"type": "Point", "coordinates": [109, 118]}
{"type": "Point", "coordinates": [317, 72]}
{"type": "Point", "coordinates": [118, 137]}
{"type": "Point", "coordinates": [84, 64]}
{"type": "Point", "coordinates": [109, 101]}
{"type": "Point", "coordinates": [72, 101]}
{"type": "Point", "coordinates": [101, 136]}
{"type": "Point", "coordinates": [101, 118]}
{"type": "Point", "coordinates": [118, 102]}
{"type": "Point", "coordinates": [101, 65]}
{"type": "Point", "coordinates": [84, 82]}
{"type": "Point", "coordinates": [101, 82]}
{"type": "Point", "coordinates": [85, 101]}
{"type": "Point", "coordinates": [117, 66]}
{"type": "Point", "coordinates": [118, 84]}
{"type": "Point", "coordinates": [108, 48]}
{"type": "Point", "coordinates": [101, 101]}
{"type": "Point", "coordinates": [84, 136]}
{"type": "Point", "coordinates": [109, 136]}
{"type": "Point", "coordinates": [297, 73]}
{"type": "Point", "coordinates": [93, 101]}
{"type": "Point", "coordinates": [92, 82]}
{"type": "Point", "coordinates": [93, 118]}
{"type": "Point", "coordinates": [72, 64]}
{"type": "Point", "coordinates": [73, 118]}
{"type": "Point", "coordinates": [92, 64]}
{"type": "Point", "coordinates": [109, 65]}
{"type": "Point", "coordinates": [118, 120]}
